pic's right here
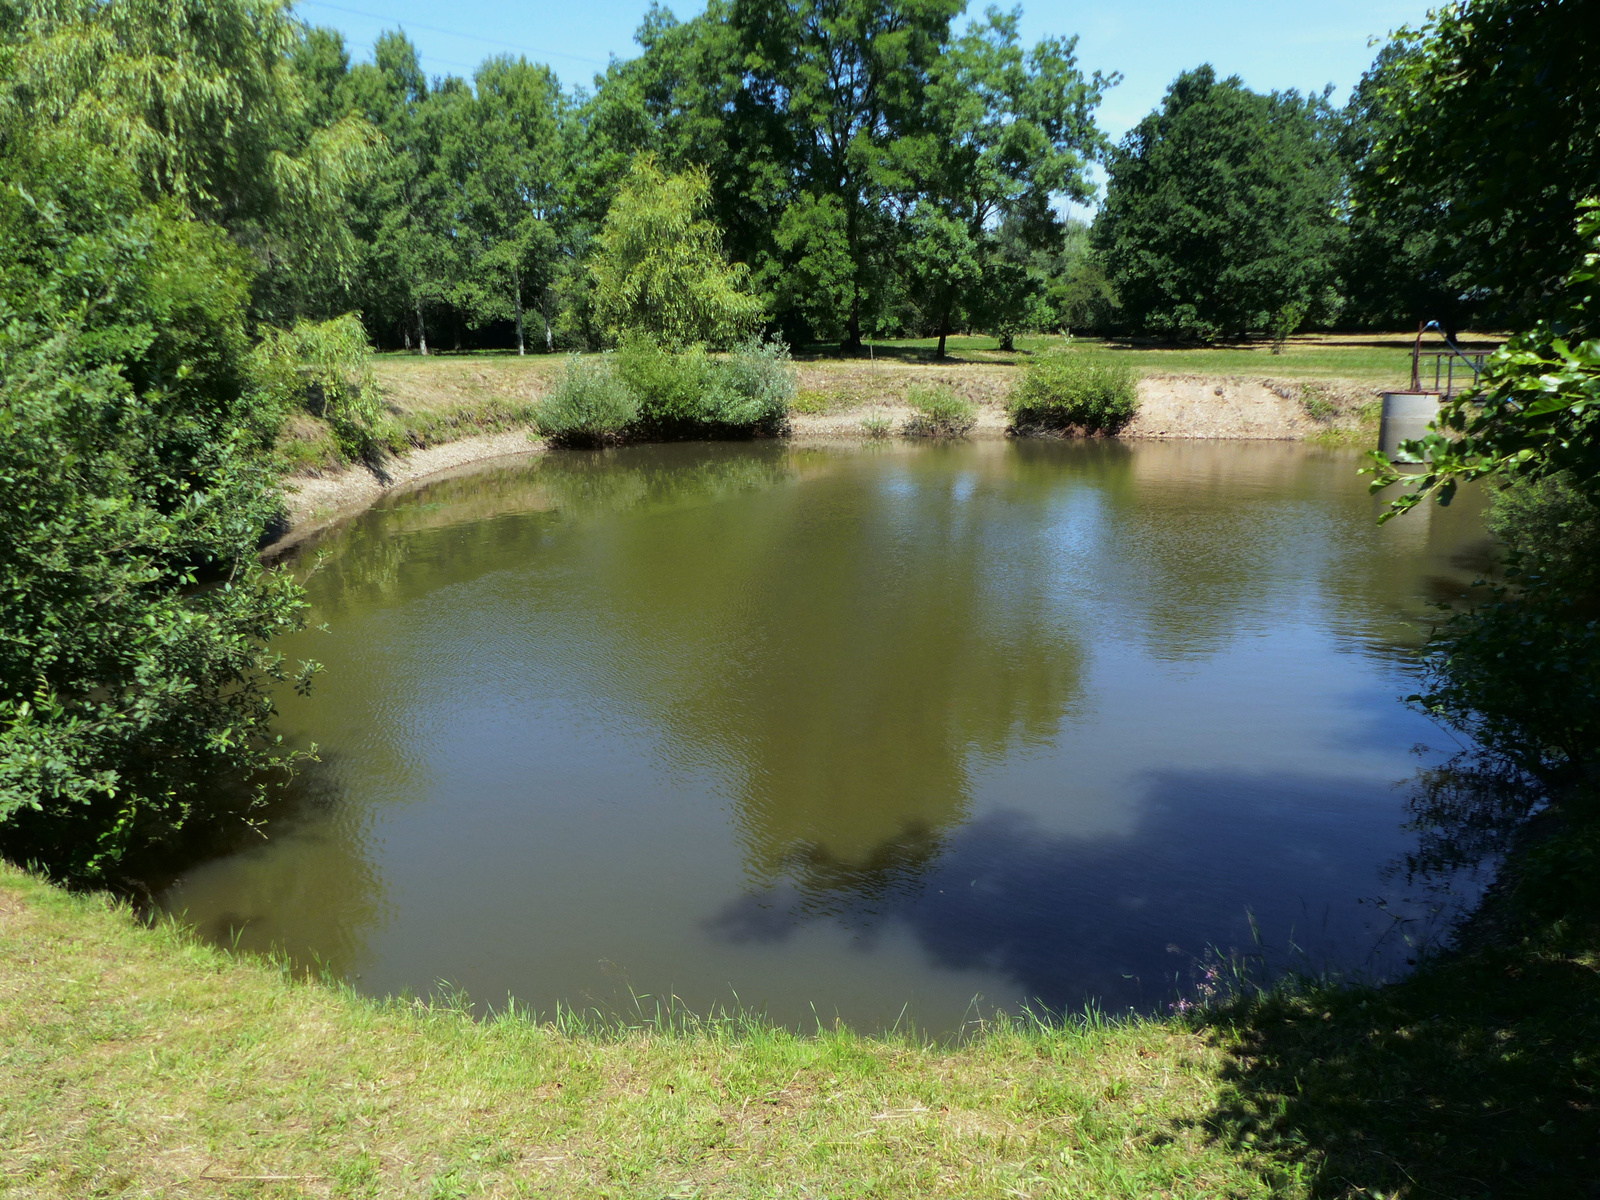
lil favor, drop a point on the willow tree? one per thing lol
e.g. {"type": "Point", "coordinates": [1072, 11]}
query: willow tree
{"type": "Point", "coordinates": [154, 162]}
{"type": "Point", "coordinates": [202, 102]}
{"type": "Point", "coordinates": [658, 267]}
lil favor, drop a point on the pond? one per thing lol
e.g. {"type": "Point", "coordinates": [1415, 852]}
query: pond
{"type": "Point", "coordinates": [883, 733]}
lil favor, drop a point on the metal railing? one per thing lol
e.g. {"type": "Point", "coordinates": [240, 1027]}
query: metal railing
{"type": "Point", "coordinates": [1444, 364]}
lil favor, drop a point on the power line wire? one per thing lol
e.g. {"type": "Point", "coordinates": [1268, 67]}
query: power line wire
{"type": "Point", "coordinates": [354, 12]}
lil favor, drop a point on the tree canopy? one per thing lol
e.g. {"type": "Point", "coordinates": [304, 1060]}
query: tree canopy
{"type": "Point", "coordinates": [1476, 135]}
{"type": "Point", "coordinates": [1219, 217]}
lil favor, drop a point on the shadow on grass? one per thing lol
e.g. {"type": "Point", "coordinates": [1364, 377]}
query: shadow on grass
{"type": "Point", "coordinates": [904, 353]}
{"type": "Point", "coordinates": [1477, 1076]}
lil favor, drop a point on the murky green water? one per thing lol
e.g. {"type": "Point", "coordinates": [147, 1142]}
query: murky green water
{"type": "Point", "coordinates": [853, 731]}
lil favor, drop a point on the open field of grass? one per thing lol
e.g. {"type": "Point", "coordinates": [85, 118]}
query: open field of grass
{"type": "Point", "coordinates": [137, 1062]}
{"type": "Point", "coordinates": [1382, 360]}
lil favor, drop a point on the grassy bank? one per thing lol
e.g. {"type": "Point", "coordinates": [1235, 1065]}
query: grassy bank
{"type": "Point", "coordinates": [445, 397]}
{"type": "Point", "coordinates": [137, 1062]}
{"type": "Point", "coordinates": [1377, 359]}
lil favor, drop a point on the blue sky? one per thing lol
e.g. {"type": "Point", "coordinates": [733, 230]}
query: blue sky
{"type": "Point", "coordinates": [1273, 44]}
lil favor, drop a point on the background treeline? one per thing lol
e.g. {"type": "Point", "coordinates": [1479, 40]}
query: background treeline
{"type": "Point", "coordinates": [880, 171]}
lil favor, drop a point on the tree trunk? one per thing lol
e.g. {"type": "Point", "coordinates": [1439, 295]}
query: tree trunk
{"type": "Point", "coordinates": [852, 333]}
{"type": "Point", "coordinates": [422, 331]}
{"type": "Point", "coordinates": [1008, 342]}
{"type": "Point", "coordinates": [549, 339]}
{"type": "Point", "coordinates": [944, 328]}
{"type": "Point", "coordinates": [516, 296]}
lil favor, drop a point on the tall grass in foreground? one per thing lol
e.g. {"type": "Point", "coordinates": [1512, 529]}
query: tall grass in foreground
{"type": "Point", "coordinates": [1477, 1074]}
{"type": "Point", "coordinates": [111, 1029]}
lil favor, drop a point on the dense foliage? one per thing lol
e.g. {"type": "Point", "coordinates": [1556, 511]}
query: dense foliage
{"type": "Point", "coordinates": [646, 389]}
{"type": "Point", "coordinates": [590, 405]}
{"type": "Point", "coordinates": [150, 178]}
{"type": "Point", "coordinates": [1471, 140]}
{"type": "Point", "coordinates": [857, 168]}
{"type": "Point", "coordinates": [1219, 218]}
{"type": "Point", "coordinates": [1074, 391]}
{"type": "Point", "coordinates": [1520, 671]}
{"type": "Point", "coordinates": [1536, 410]}
{"type": "Point", "coordinates": [658, 268]}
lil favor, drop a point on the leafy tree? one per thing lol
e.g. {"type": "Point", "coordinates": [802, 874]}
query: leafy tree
{"type": "Point", "coordinates": [135, 672]}
{"type": "Point", "coordinates": [836, 88]}
{"type": "Point", "coordinates": [1479, 133]}
{"type": "Point", "coordinates": [658, 267]}
{"type": "Point", "coordinates": [1011, 131]}
{"type": "Point", "coordinates": [1219, 215]}
{"type": "Point", "coordinates": [1013, 294]}
{"type": "Point", "coordinates": [945, 261]}
{"type": "Point", "coordinates": [508, 160]}
{"type": "Point", "coordinates": [1078, 293]}
{"type": "Point", "coordinates": [1403, 263]}
{"type": "Point", "coordinates": [203, 102]}
{"type": "Point", "coordinates": [1520, 672]}
{"type": "Point", "coordinates": [1536, 410]}
{"type": "Point", "coordinates": [412, 260]}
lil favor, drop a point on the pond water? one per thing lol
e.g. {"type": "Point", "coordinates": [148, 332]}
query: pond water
{"type": "Point", "coordinates": [877, 733]}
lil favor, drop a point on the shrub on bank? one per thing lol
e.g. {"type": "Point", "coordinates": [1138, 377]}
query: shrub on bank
{"type": "Point", "coordinates": [1074, 391]}
{"type": "Point", "coordinates": [689, 393]}
{"type": "Point", "coordinates": [592, 405]}
{"type": "Point", "coordinates": [939, 412]}
{"type": "Point", "coordinates": [753, 387]}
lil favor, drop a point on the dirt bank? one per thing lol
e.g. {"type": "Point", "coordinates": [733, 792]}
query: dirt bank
{"type": "Point", "coordinates": [318, 500]}
{"type": "Point", "coordinates": [837, 401]}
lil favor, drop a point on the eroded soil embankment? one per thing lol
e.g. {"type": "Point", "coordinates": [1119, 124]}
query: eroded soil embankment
{"type": "Point", "coordinates": [316, 501]}
{"type": "Point", "coordinates": [1175, 406]}
{"type": "Point", "coordinates": [836, 402]}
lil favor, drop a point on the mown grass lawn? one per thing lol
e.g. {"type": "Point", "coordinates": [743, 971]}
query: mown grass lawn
{"type": "Point", "coordinates": [1381, 360]}
{"type": "Point", "coordinates": [137, 1062]}
{"type": "Point", "coordinates": [1377, 359]}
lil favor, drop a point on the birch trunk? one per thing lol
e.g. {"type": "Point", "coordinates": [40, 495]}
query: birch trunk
{"type": "Point", "coordinates": [422, 331]}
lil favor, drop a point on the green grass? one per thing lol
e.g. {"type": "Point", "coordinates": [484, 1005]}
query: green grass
{"type": "Point", "coordinates": [1375, 359]}
{"type": "Point", "coordinates": [136, 1061]}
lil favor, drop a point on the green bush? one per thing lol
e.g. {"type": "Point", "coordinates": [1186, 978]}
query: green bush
{"type": "Point", "coordinates": [671, 387]}
{"type": "Point", "coordinates": [136, 681]}
{"type": "Point", "coordinates": [939, 412]}
{"type": "Point", "coordinates": [753, 387]}
{"type": "Point", "coordinates": [590, 406]}
{"type": "Point", "coordinates": [687, 393]}
{"type": "Point", "coordinates": [1074, 391]}
{"type": "Point", "coordinates": [324, 368]}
